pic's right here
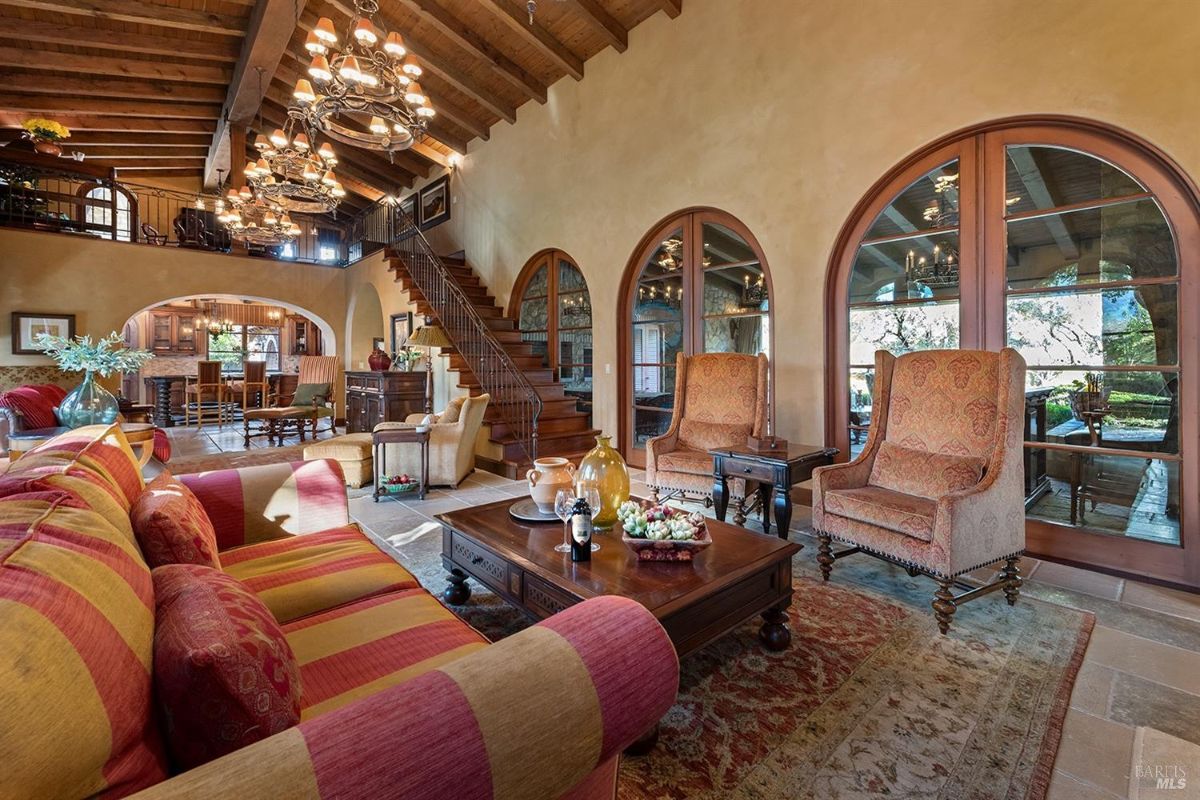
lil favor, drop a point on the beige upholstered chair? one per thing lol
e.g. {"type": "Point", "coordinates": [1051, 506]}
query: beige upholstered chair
{"type": "Point", "coordinates": [720, 399]}
{"type": "Point", "coordinates": [938, 487]}
{"type": "Point", "coordinates": [451, 443]}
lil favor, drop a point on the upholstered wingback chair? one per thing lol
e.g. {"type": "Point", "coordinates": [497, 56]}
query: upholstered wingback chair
{"type": "Point", "coordinates": [451, 443]}
{"type": "Point", "coordinates": [720, 399]}
{"type": "Point", "coordinates": [938, 487]}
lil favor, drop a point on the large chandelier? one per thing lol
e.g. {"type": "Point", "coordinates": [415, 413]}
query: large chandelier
{"type": "Point", "coordinates": [368, 80]}
{"type": "Point", "coordinates": [292, 173]}
{"type": "Point", "coordinates": [255, 220]}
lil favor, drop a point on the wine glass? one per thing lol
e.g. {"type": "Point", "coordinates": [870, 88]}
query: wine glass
{"type": "Point", "coordinates": [564, 503]}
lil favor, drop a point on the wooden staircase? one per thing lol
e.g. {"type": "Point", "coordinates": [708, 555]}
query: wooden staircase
{"type": "Point", "coordinates": [563, 430]}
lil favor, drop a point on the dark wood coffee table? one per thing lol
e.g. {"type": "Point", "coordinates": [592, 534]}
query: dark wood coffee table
{"type": "Point", "coordinates": [742, 574]}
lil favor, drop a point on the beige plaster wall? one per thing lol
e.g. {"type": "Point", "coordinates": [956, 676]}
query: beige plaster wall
{"type": "Point", "coordinates": [784, 113]}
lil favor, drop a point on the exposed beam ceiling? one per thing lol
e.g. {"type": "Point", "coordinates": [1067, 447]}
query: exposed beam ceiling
{"type": "Point", "coordinates": [270, 28]}
{"type": "Point", "coordinates": [133, 88]}
{"type": "Point", "coordinates": [126, 67]}
{"type": "Point", "coordinates": [11, 119]}
{"type": "Point", "coordinates": [518, 21]}
{"type": "Point", "coordinates": [54, 104]}
{"type": "Point", "coordinates": [139, 13]}
{"type": "Point", "coordinates": [672, 7]}
{"type": "Point", "coordinates": [604, 23]}
{"type": "Point", "coordinates": [133, 142]}
{"type": "Point", "coordinates": [145, 43]}
{"type": "Point", "coordinates": [110, 152]}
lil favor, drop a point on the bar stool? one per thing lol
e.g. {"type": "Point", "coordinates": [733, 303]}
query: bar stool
{"type": "Point", "coordinates": [209, 383]}
{"type": "Point", "coordinates": [254, 389]}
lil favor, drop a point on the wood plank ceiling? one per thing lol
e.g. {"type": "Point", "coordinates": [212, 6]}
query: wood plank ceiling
{"type": "Point", "coordinates": [152, 87]}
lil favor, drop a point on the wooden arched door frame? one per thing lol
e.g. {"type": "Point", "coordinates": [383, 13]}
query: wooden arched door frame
{"type": "Point", "coordinates": [85, 188]}
{"type": "Point", "coordinates": [692, 221]}
{"type": "Point", "coordinates": [981, 150]}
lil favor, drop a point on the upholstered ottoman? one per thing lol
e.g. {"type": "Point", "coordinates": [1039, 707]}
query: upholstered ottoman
{"type": "Point", "coordinates": [352, 451]}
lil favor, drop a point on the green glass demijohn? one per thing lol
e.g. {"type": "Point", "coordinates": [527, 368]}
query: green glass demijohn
{"type": "Point", "coordinates": [89, 403]}
{"type": "Point", "coordinates": [604, 468]}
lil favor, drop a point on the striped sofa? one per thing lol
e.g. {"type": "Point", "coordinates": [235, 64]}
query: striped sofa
{"type": "Point", "coordinates": [400, 699]}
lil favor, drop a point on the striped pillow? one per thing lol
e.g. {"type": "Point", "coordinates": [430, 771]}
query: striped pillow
{"type": "Point", "coordinates": [31, 404]}
{"type": "Point", "coordinates": [76, 609]}
{"type": "Point", "coordinates": [100, 449]}
{"type": "Point", "coordinates": [224, 674]}
{"type": "Point", "coordinates": [171, 526]}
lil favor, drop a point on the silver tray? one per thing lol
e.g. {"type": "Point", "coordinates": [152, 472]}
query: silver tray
{"type": "Point", "coordinates": [527, 511]}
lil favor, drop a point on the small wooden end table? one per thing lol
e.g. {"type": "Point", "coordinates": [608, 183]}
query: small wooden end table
{"type": "Point", "coordinates": [379, 442]}
{"type": "Point", "coordinates": [775, 471]}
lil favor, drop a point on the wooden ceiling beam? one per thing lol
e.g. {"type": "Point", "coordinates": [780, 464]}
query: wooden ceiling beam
{"type": "Point", "coordinates": [135, 89]}
{"type": "Point", "coordinates": [160, 164]}
{"type": "Point", "coordinates": [517, 21]}
{"type": "Point", "coordinates": [604, 23]}
{"type": "Point", "coordinates": [145, 43]}
{"type": "Point", "coordinates": [439, 17]}
{"type": "Point", "coordinates": [106, 107]}
{"type": "Point", "coordinates": [115, 67]}
{"type": "Point", "coordinates": [13, 119]}
{"type": "Point", "coordinates": [126, 140]}
{"type": "Point", "coordinates": [673, 7]}
{"type": "Point", "coordinates": [270, 28]}
{"type": "Point", "coordinates": [433, 154]}
{"type": "Point", "coordinates": [153, 14]}
{"type": "Point", "coordinates": [114, 152]}
{"type": "Point", "coordinates": [164, 172]}
{"type": "Point", "coordinates": [431, 63]}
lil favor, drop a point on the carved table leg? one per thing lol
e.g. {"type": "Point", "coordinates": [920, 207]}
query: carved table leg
{"type": "Point", "coordinates": [720, 494]}
{"type": "Point", "coordinates": [739, 512]}
{"type": "Point", "coordinates": [1012, 580]}
{"type": "Point", "coordinates": [825, 554]}
{"type": "Point", "coordinates": [644, 744]}
{"type": "Point", "coordinates": [458, 592]}
{"type": "Point", "coordinates": [943, 604]}
{"type": "Point", "coordinates": [246, 434]}
{"type": "Point", "coordinates": [764, 505]}
{"type": "Point", "coordinates": [774, 633]}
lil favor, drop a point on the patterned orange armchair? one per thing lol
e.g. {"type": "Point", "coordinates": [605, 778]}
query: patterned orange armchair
{"type": "Point", "coordinates": [720, 399]}
{"type": "Point", "coordinates": [938, 487]}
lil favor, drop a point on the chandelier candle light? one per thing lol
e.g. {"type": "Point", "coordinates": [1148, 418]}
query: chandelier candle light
{"type": "Point", "coordinates": [368, 80]}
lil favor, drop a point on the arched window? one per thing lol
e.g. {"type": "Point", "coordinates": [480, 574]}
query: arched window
{"type": "Point", "coordinates": [1076, 245]}
{"type": "Point", "coordinates": [553, 309]}
{"type": "Point", "coordinates": [696, 284]}
{"type": "Point", "coordinates": [97, 210]}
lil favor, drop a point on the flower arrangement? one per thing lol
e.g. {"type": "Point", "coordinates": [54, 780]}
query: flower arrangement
{"type": "Point", "coordinates": [662, 533]}
{"type": "Point", "coordinates": [105, 356]}
{"type": "Point", "coordinates": [407, 356]}
{"type": "Point", "coordinates": [47, 129]}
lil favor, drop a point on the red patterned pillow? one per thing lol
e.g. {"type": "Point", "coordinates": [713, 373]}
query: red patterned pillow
{"type": "Point", "coordinates": [224, 674]}
{"type": "Point", "coordinates": [924, 474]}
{"type": "Point", "coordinates": [31, 404]}
{"type": "Point", "coordinates": [172, 527]}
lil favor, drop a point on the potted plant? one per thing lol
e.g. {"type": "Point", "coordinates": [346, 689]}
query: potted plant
{"type": "Point", "coordinates": [45, 135]}
{"type": "Point", "coordinates": [89, 403]}
{"type": "Point", "coordinates": [406, 358]}
{"type": "Point", "coordinates": [1087, 396]}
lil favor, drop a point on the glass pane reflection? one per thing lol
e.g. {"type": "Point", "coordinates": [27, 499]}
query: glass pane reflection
{"type": "Point", "coordinates": [902, 329]}
{"type": "Point", "coordinates": [1047, 177]}
{"type": "Point", "coordinates": [929, 202]}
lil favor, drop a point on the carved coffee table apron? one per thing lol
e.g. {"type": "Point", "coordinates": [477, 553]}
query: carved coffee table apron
{"type": "Point", "coordinates": [742, 574]}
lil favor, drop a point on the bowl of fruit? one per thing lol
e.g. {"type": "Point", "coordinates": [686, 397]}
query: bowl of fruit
{"type": "Point", "coordinates": [399, 483]}
{"type": "Point", "coordinates": [662, 533]}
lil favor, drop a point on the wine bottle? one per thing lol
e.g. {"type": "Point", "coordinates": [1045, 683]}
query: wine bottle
{"type": "Point", "coordinates": [581, 531]}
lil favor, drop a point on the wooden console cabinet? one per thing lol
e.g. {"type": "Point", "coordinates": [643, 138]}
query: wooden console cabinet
{"type": "Point", "coordinates": [374, 397]}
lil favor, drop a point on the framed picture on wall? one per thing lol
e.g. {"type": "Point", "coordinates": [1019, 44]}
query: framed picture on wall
{"type": "Point", "coordinates": [402, 325]}
{"type": "Point", "coordinates": [27, 326]}
{"type": "Point", "coordinates": [434, 205]}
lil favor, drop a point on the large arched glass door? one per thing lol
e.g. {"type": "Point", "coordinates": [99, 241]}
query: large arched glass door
{"type": "Point", "coordinates": [1084, 241]}
{"type": "Point", "coordinates": [554, 314]}
{"type": "Point", "coordinates": [698, 284]}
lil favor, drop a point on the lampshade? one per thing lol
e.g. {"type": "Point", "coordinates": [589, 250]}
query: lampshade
{"type": "Point", "coordinates": [395, 45]}
{"type": "Point", "coordinates": [429, 336]}
{"type": "Point", "coordinates": [324, 30]}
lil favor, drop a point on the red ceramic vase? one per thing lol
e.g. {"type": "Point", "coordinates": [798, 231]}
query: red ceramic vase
{"type": "Point", "coordinates": [379, 360]}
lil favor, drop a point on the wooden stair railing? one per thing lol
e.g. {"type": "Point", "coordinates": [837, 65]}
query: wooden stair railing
{"type": "Point", "coordinates": [517, 401]}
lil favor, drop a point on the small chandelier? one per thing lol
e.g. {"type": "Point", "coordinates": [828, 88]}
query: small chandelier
{"type": "Point", "coordinates": [255, 220]}
{"type": "Point", "coordinates": [213, 323]}
{"type": "Point", "coordinates": [370, 76]}
{"type": "Point", "coordinates": [292, 172]}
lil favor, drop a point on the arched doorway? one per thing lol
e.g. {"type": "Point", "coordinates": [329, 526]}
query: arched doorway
{"type": "Point", "coordinates": [1076, 244]}
{"type": "Point", "coordinates": [553, 310]}
{"type": "Point", "coordinates": [697, 283]}
{"type": "Point", "coordinates": [364, 324]}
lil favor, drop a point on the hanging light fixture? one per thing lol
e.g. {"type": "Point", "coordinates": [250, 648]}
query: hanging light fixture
{"type": "Point", "coordinates": [361, 90]}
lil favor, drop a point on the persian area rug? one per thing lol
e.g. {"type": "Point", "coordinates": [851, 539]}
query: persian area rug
{"type": "Point", "coordinates": [868, 702]}
{"type": "Point", "coordinates": [235, 459]}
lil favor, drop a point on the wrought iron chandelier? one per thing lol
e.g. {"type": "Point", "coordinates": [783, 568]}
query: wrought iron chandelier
{"type": "Point", "coordinates": [255, 220]}
{"type": "Point", "coordinates": [291, 174]}
{"type": "Point", "coordinates": [369, 79]}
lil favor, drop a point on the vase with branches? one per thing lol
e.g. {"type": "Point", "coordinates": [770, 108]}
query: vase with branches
{"type": "Point", "coordinates": [89, 403]}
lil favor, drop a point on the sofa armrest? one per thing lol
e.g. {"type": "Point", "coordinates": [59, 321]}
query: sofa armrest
{"type": "Point", "coordinates": [532, 716]}
{"type": "Point", "coordinates": [273, 501]}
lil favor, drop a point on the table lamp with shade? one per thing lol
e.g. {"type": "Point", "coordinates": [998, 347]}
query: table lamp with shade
{"type": "Point", "coordinates": [429, 336]}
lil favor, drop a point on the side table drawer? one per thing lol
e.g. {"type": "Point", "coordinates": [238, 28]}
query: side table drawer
{"type": "Point", "coordinates": [749, 470]}
{"type": "Point", "coordinates": [543, 599]}
{"type": "Point", "coordinates": [482, 563]}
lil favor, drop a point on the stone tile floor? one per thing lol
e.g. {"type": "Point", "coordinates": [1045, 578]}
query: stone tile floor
{"type": "Point", "coordinates": [1142, 667]}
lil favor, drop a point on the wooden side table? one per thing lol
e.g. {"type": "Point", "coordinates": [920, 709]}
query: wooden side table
{"type": "Point", "coordinates": [775, 471]}
{"type": "Point", "coordinates": [379, 442]}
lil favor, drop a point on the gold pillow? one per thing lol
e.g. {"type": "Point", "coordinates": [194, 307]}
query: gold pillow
{"type": "Point", "coordinates": [452, 412]}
